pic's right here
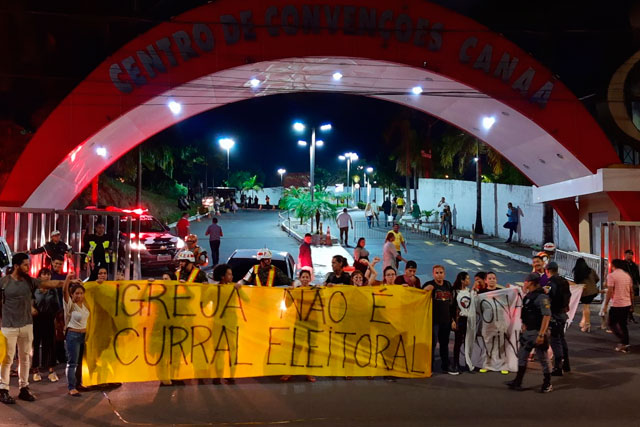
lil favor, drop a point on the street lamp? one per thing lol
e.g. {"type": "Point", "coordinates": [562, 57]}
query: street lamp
{"type": "Point", "coordinates": [367, 182]}
{"type": "Point", "coordinates": [281, 172]}
{"type": "Point", "coordinates": [227, 144]}
{"type": "Point", "coordinates": [349, 157]}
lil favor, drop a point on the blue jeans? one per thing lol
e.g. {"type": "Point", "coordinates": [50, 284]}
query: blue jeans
{"type": "Point", "coordinates": [74, 344]}
{"type": "Point", "coordinates": [369, 218]}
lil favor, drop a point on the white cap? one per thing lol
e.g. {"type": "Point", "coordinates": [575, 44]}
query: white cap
{"type": "Point", "coordinates": [55, 233]}
{"type": "Point", "coordinates": [263, 254]}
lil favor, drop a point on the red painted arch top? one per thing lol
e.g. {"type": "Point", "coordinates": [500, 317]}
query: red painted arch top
{"type": "Point", "coordinates": [227, 34]}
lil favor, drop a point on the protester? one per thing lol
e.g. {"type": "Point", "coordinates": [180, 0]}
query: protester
{"type": "Point", "coordinates": [304, 280]}
{"type": "Point", "coordinates": [409, 277]}
{"type": "Point", "coordinates": [390, 255]}
{"type": "Point", "coordinates": [98, 249]}
{"type": "Point", "coordinates": [182, 227]}
{"type": "Point", "coordinates": [443, 315]}
{"type": "Point", "coordinates": [214, 231]}
{"type": "Point", "coordinates": [304, 252]}
{"type": "Point", "coordinates": [632, 268]}
{"type": "Point", "coordinates": [462, 295]}
{"type": "Point", "coordinates": [358, 279]}
{"type": "Point", "coordinates": [398, 241]}
{"type": "Point", "coordinates": [375, 209]}
{"type": "Point", "coordinates": [442, 205]}
{"type": "Point", "coordinates": [54, 248]}
{"type": "Point", "coordinates": [17, 324]}
{"type": "Point", "coordinates": [368, 213]}
{"type": "Point", "coordinates": [620, 296]}
{"type": "Point", "coordinates": [512, 221]}
{"type": "Point", "coordinates": [535, 315]}
{"type": "Point", "coordinates": [538, 267]}
{"type": "Point", "coordinates": [586, 276]}
{"type": "Point", "coordinates": [76, 315]}
{"type": "Point", "coordinates": [265, 274]}
{"type": "Point", "coordinates": [44, 332]}
{"type": "Point", "coordinates": [491, 283]}
{"type": "Point", "coordinates": [394, 210]}
{"type": "Point", "coordinates": [480, 282]}
{"type": "Point", "coordinates": [188, 271]}
{"type": "Point", "coordinates": [560, 295]}
{"type": "Point", "coordinates": [338, 276]}
{"type": "Point", "coordinates": [202, 260]}
{"type": "Point", "coordinates": [343, 220]}
{"type": "Point", "coordinates": [386, 208]}
{"type": "Point", "coordinates": [361, 256]}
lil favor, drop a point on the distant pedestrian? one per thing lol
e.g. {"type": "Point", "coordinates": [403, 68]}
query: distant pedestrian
{"type": "Point", "coordinates": [415, 211]}
{"type": "Point", "coordinates": [267, 201]}
{"type": "Point", "coordinates": [400, 206]}
{"type": "Point", "coordinates": [234, 207]}
{"type": "Point", "coordinates": [390, 255]}
{"type": "Point", "coordinates": [633, 270]}
{"type": "Point", "coordinates": [182, 227]}
{"type": "Point", "coordinates": [394, 210]}
{"type": "Point", "coordinates": [445, 228]}
{"type": "Point", "coordinates": [442, 205]}
{"type": "Point", "coordinates": [304, 253]}
{"type": "Point", "coordinates": [343, 220]}
{"type": "Point", "coordinates": [398, 241]}
{"type": "Point", "coordinates": [386, 208]}
{"type": "Point", "coordinates": [214, 231]}
{"type": "Point", "coordinates": [588, 278]}
{"type": "Point", "coordinates": [368, 213]}
{"type": "Point", "coordinates": [512, 221]}
{"type": "Point", "coordinates": [620, 296]}
{"type": "Point", "coordinates": [376, 210]}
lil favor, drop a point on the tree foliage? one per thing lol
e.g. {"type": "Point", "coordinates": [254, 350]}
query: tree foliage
{"type": "Point", "coordinates": [298, 201]}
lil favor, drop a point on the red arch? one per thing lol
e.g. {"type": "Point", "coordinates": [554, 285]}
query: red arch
{"type": "Point", "coordinates": [415, 33]}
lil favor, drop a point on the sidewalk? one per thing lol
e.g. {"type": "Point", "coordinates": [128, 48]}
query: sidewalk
{"type": "Point", "coordinates": [496, 245]}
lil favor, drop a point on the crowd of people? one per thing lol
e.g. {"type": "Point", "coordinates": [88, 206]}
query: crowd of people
{"type": "Point", "coordinates": [41, 315]}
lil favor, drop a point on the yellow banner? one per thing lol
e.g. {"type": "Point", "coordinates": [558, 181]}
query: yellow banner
{"type": "Point", "coordinates": [146, 331]}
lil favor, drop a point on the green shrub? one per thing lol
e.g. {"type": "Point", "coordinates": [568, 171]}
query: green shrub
{"type": "Point", "coordinates": [362, 205]}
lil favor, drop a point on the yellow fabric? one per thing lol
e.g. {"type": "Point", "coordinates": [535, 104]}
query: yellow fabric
{"type": "Point", "coordinates": [149, 331]}
{"type": "Point", "coordinates": [3, 347]}
{"type": "Point", "coordinates": [399, 239]}
{"type": "Point", "coordinates": [400, 202]}
{"type": "Point", "coordinates": [92, 247]}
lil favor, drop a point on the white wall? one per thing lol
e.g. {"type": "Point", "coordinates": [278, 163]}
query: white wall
{"type": "Point", "coordinates": [274, 193]}
{"type": "Point", "coordinates": [461, 196]}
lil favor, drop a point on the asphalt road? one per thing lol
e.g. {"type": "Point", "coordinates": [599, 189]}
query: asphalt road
{"type": "Point", "coordinates": [601, 390]}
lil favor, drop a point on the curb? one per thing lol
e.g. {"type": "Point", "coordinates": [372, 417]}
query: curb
{"type": "Point", "coordinates": [488, 248]}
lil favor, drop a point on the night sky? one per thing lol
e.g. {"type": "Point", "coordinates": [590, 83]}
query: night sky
{"type": "Point", "coordinates": [262, 128]}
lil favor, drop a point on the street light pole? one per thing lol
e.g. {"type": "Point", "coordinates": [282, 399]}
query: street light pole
{"type": "Point", "coordinates": [226, 144]}
{"type": "Point", "coordinates": [312, 163]}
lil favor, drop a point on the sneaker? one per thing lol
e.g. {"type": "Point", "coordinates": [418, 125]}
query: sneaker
{"type": "Point", "coordinates": [37, 377]}
{"type": "Point", "coordinates": [453, 372]}
{"type": "Point", "coordinates": [5, 398]}
{"type": "Point", "coordinates": [619, 347]}
{"type": "Point", "coordinates": [25, 394]}
{"type": "Point", "coordinates": [483, 371]}
{"type": "Point", "coordinates": [626, 349]}
{"type": "Point", "coordinates": [503, 372]}
{"type": "Point", "coordinates": [556, 373]}
{"type": "Point", "coordinates": [53, 377]}
{"type": "Point", "coordinates": [546, 388]}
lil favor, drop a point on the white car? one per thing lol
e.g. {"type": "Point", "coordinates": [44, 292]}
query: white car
{"type": "Point", "coordinates": [5, 255]}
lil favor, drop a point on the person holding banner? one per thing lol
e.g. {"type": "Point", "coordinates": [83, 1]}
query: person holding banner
{"type": "Point", "coordinates": [265, 274]}
{"type": "Point", "coordinates": [480, 282]}
{"type": "Point", "coordinates": [338, 276]}
{"type": "Point", "coordinates": [443, 314]}
{"type": "Point", "coordinates": [188, 272]}
{"type": "Point", "coordinates": [463, 301]}
{"type": "Point", "coordinates": [535, 314]}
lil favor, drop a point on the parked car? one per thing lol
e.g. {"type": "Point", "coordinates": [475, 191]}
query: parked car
{"type": "Point", "coordinates": [241, 260]}
{"type": "Point", "coordinates": [5, 256]}
{"type": "Point", "coordinates": [158, 247]}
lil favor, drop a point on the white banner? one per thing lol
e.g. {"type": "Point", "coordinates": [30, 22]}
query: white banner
{"type": "Point", "coordinates": [494, 324]}
{"type": "Point", "coordinates": [493, 330]}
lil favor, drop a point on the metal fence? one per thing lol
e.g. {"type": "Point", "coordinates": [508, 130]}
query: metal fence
{"type": "Point", "coordinates": [378, 230]}
{"type": "Point", "coordinates": [27, 229]}
{"type": "Point", "coordinates": [618, 237]}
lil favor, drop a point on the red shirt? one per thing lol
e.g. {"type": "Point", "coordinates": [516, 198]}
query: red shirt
{"type": "Point", "coordinates": [182, 227]}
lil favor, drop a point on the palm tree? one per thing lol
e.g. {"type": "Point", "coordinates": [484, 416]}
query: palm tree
{"type": "Point", "coordinates": [459, 147]}
{"type": "Point", "coordinates": [251, 184]}
{"type": "Point", "coordinates": [298, 201]}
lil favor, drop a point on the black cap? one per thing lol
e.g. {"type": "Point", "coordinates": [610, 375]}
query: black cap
{"type": "Point", "coordinates": [552, 266]}
{"type": "Point", "coordinates": [532, 277]}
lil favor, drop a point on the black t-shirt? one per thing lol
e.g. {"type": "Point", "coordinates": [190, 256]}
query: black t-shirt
{"type": "Point", "coordinates": [342, 279]}
{"type": "Point", "coordinates": [444, 304]}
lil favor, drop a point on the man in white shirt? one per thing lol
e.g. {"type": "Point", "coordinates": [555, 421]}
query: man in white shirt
{"type": "Point", "coordinates": [343, 220]}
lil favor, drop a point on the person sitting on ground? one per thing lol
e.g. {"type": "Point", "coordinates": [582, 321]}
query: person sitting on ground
{"type": "Point", "coordinates": [409, 277]}
{"type": "Point", "coordinates": [338, 276]}
{"type": "Point", "coordinates": [265, 274]}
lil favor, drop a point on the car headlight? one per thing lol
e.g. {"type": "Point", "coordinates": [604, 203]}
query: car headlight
{"type": "Point", "coordinates": [180, 244]}
{"type": "Point", "coordinates": [138, 246]}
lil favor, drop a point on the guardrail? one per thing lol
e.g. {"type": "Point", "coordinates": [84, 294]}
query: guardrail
{"type": "Point", "coordinates": [26, 229]}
